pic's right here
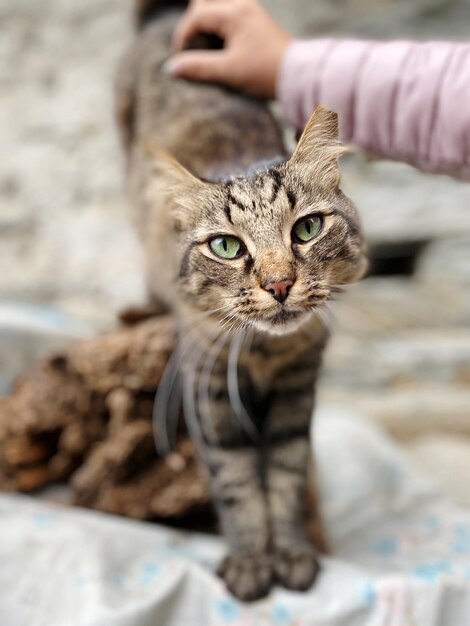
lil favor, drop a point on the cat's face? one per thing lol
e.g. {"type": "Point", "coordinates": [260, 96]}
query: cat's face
{"type": "Point", "coordinates": [266, 251]}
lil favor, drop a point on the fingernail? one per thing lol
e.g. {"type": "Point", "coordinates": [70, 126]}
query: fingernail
{"type": "Point", "coordinates": [168, 66]}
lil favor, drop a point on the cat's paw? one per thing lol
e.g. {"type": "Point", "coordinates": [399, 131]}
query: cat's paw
{"type": "Point", "coordinates": [295, 567]}
{"type": "Point", "coordinates": [247, 576]}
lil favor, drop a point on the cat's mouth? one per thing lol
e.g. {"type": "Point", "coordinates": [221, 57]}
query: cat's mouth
{"type": "Point", "coordinates": [283, 321]}
{"type": "Point", "coordinates": [284, 315]}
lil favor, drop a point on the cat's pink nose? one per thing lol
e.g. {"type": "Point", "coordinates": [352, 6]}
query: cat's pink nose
{"type": "Point", "coordinates": [279, 289]}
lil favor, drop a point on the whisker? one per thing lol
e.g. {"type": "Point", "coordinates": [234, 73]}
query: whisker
{"type": "Point", "coordinates": [166, 405]}
{"type": "Point", "coordinates": [323, 317]}
{"type": "Point", "coordinates": [189, 403]}
{"type": "Point", "coordinates": [174, 410]}
{"type": "Point", "coordinates": [330, 311]}
{"type": "Point", "coordinates": [229, 321]}
{"type": "Point", "coordinates": [166, 409]}
{"type": "Point", "coordinates": [191, 392]}
{"type": "Point", "coordinates": [246, 422]}
{"type": "Point", "coordinates": [205, 376]}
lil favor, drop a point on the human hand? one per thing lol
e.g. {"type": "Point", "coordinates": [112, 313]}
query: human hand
{"type": "Point", "coordinates": [254, 45]}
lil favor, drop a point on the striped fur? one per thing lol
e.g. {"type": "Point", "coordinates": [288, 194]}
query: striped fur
{"type": "Point", "coordinates": [249, 363]}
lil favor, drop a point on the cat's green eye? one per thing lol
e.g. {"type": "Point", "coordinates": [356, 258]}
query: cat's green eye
{"type": "Point", "coordinates": [306, 229]}
{"type": "Point", "coordinates": [226, 247]}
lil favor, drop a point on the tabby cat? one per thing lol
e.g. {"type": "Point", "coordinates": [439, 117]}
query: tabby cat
{"type": "Point", "coordinates": [245, 246]}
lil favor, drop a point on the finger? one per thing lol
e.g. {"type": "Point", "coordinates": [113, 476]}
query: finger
{"type": "Point", "coordinates": [208, 18]}
{"type": "Point", "coordinates": [204, 65]}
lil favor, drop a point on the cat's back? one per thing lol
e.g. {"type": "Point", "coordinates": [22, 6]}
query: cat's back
{"type": "Point", "coordinates": [212, 131]}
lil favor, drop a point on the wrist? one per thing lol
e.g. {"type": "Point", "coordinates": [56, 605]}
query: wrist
{"type": "Point", "coordinates": [282, 55]}
{"type": "Point", "coordinates": [277, 56]}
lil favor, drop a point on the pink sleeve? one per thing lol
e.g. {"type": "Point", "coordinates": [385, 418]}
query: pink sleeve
{"type": "Point", "coordinates": [399, 100]}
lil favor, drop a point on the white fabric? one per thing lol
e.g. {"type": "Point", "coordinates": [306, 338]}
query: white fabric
{"type": "Point", "coordinates": [401, 555]}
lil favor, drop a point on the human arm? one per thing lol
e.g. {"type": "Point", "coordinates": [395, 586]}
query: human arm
{"type": "Point", "coordinates": [399, 100]}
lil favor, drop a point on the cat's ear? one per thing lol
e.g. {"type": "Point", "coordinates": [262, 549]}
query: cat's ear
{"type": "Point", "coordinates": [319, 148]}
{"type": "Point", "coordinates": [183, 188]}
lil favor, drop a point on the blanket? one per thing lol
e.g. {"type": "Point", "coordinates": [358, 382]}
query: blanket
{"type": "Point", "coordinates": [400, 554]}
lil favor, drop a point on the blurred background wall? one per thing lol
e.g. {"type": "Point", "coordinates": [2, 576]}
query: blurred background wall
{"type": "Point", "coordinates": [69, 259]}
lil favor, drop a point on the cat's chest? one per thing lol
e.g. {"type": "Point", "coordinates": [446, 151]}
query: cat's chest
{"type": "Point", "coordinates": [271, 359]}
{"type": "Point", "coordinates": [262, 370]}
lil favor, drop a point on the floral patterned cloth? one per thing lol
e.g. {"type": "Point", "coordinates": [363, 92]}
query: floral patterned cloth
{"type": "Point", "coordinates": [401, 555]}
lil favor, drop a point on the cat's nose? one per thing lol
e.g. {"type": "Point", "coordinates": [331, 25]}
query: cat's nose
{"type": "Point", "coordinates": [279, 289]}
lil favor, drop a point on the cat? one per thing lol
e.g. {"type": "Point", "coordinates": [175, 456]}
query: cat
{"type": "Point", "coordinates": [245, 246]}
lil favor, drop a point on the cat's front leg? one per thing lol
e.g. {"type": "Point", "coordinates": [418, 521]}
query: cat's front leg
{"type": "Point", "coordinates": [233, 463]}
{"type": "Point", "coordinates": [242, 509]}
{"type": "Point", "coordinates": [295, 563]}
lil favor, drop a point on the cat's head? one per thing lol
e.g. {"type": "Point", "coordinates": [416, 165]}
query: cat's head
{"type": "Point", "coordinates": [267, 250]}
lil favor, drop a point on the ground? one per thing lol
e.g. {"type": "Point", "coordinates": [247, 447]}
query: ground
{"type": "Point", "coordinates": [69, 258]}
